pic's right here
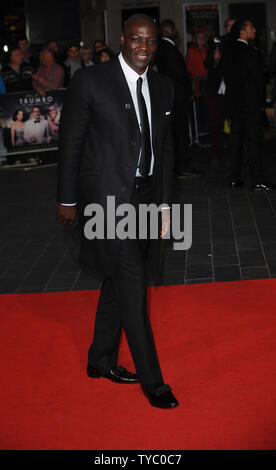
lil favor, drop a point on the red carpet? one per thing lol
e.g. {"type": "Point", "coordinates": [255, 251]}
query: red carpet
{"type": "Point", "coordinates": [217, 347]}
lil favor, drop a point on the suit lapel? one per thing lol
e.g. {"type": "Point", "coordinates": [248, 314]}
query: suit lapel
{"type": "Point", "coordinates": [121, 89]}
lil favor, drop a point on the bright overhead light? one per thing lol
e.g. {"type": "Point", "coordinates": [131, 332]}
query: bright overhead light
{"type": "Point", "coordinates": [6, 48]}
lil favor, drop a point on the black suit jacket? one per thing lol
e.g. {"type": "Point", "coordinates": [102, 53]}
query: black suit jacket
{"type": "Point", "coordinates": [170, 62]}
{"type": "Point", "coordinates": [244, 78]}
{"type": "Point", "coordinates": [99, 148]}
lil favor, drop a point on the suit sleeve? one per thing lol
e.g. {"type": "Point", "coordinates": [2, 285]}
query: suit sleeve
{"type": "Point", "coordinates": [73, 127]}
{"type": "Point", "coordinates": [168, 161]}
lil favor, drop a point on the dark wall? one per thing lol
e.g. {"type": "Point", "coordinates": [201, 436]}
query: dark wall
{"type": "Point", "coordinates": [152, 11]}
{"type": "Point", "coordinates": [52, 19]}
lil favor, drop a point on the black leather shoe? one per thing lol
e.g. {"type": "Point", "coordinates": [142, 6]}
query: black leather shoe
{"type": "Point", "coordinates": [236, 184]}
{"type": "Point", "coordinates": [117, 374]}
{"type": "Point", "coordinates": [262, 187]}
{"type": "Point", "coordinates": [189, 173]}
{"type": "Point", "coordinates": [161, 397]}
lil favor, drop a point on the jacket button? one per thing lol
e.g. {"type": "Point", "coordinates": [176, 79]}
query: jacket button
{"type": "Point", "coordinates": [127, 168]}
{"type": "Point", "coordinates": [133, 143]}
{"type": "Point", "coordinates": [124, 189]}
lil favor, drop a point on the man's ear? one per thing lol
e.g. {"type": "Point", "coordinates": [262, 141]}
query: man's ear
{"type": "Point", "coordinates": [122, 40]}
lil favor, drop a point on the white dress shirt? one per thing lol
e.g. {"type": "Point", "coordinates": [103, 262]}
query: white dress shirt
{"type": "Point", "coordinates": [131, 78]}
{"type": "Point", "coordinates": [169, 40]}
{"type": "Point", "coordinates": [36, 129]}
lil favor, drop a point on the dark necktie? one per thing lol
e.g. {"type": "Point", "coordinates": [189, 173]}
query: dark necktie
{"type": "Point", "coordinates": [145, 158]}
{"type": "Point", "coordinates": [37, 121]}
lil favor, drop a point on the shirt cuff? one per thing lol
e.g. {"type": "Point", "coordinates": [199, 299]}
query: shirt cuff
{"type": "Point", "coordinates": [74, 204]}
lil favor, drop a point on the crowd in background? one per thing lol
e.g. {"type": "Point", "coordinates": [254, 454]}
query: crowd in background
{"type": "Point", "coordinates": [199, 74]}
{"type": "Point", "coordinates": [50, 68]}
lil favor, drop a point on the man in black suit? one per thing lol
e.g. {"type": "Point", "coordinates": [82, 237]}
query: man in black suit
{"type": "Point", "coordinates": [115, 139]}
{"type": "Point", "coordinates": [245, 98]}
{"type": "Point", "coordinates": [170, 61]}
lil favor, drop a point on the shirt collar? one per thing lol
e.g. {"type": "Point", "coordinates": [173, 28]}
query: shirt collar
{"type": "Point", "coordinates": [169, 40]}
{"type": "Point", "coordinates": [242, 40]}
{"type": "Point", "coordinates": [130, 74]}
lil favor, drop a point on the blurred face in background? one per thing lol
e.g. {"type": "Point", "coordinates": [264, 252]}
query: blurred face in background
{"type": "Point", "coordinates": [104, 57]}
{"type": "Point", "coordinates": [23, 44]}
{"type": "Point", "coordinates": [86, 55]}
{"type": "Point", "coordinates": [229, 25]}
{"type": "Point", "coordinates": [200, 40]}
{"type": "Point", "coordinates": [99, 46]}
{"type": "Point", "coordinates": [46, 58]}
{"type": "Point", "coordinates": [16, 58]}
{"type": "Point", "coordinates": [249, 32]}
{"type": "Point", "coordinates": [73, 53]}
{"type": "Point", "coordinates": [53, 47]}
{"type": "Point", "coordinates": [53, 114]}
{"type": "Point", "coordinates": [36, 113]}
{"type": "Point", "coordinates": [19, 115]}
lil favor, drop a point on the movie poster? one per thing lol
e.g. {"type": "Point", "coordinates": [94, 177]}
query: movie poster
{"type": "Point", "coordinates": [203, 17]}
{"type": "Point", "coordinates": [30, 121]}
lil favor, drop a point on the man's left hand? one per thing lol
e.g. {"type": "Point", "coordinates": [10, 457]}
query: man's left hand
{"type": "Point", "coordinates": [166, 222]}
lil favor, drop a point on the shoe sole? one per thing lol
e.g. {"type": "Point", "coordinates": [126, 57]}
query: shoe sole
{"type": "Point", "coordinates": [174, 405]}
{"type": "Point", "coordinates": [97, 375]}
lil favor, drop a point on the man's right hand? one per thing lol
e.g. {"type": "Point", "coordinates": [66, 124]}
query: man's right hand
{"type": "Point", "coordinates": [66, 215]}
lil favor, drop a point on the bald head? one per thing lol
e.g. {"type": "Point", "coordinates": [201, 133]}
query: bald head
{"type": "Point", "coordinates": [139, 42]}
{"type": "Point", "coordinates": [139, 19]}
{"type": "Point", "coordinates": [168, 29]}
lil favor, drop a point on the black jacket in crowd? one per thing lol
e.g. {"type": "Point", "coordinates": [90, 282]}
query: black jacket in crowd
{"type": "Point", "coordinates": [244, 78]}
{"type": "Point", "coordinates": [170, 62]}
{"type": "Point", "coordinates": [16, 82]}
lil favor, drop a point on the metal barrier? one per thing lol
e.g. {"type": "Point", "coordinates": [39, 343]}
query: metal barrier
{"type": "Point", "coordinates": [199, 120]}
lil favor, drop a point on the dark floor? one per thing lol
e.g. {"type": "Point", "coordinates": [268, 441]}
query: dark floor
{"type": "Point", "coordinates": [234, 233]}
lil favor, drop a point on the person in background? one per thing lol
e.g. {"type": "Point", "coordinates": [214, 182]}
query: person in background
{"type": "Point", "coordinates": [86, 56]}
{"type": "Point", "coordinates": [49, 75]}
{"type": "Point", "coordinates": [215, 90]}
{"type": "Point", "coordinates": [245, 96]}
{"type": "Point", "coordinates": [23, 45]}
{"type": "Point", "coordinates": [104, 55]}
{"type": "Point", "coordinates": [170, 62]}
{"type": "Point", "coordinates": [53, 122]}
{"type": "Point", "coordinates": [73, 61]}
{"type": "Point", "coordinates": [17, 128]}
{"type": "Point", "coordinates": [36, 129]}
{"type": "Point", "coordinates": [16, 75]}
{"type": "Point", "coordinates": [98, 45]}
{"type": "Point", "coordinates": [195, 58]}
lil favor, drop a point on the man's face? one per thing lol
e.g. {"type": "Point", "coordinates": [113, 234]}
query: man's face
{"type": "Point", "coordinates": [73, 53]}
{"type": "Point", "coordinates": [139, 44]}
{"type": "Point", "coordinates": [53, 47]}
{"type": "Point", "coordinates": [16, 58]}
{"type": "Point", "coordinates": [23, 44]}
{"type": "Point", "coordinates": [46, 58]}
{"type": "Point", "coordinates": [36, 113]}
{"type": "Point", "coordinates": [249, 31]}
{"type": "Point", "coordinates": [229, 26]}
{"type": "Point", "coordinates": [99, 46]}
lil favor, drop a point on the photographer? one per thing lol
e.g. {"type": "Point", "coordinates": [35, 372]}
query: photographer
{"type": "Point", "coordinates": [215, 90]}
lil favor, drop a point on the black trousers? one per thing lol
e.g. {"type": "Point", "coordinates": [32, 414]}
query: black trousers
{"type": "Point", "coordinates": [123, 303]}
{"type": "Point", "coordinates": [246, 131]}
